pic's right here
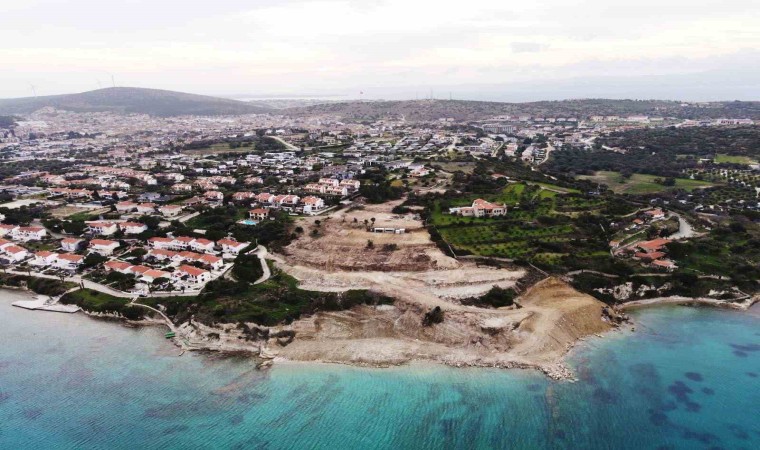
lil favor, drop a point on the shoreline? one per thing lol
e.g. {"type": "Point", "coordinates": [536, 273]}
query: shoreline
{"type": "Point", "coordinates": [679, 300]}
{"type": "Point", "coordinates": [187, 340]}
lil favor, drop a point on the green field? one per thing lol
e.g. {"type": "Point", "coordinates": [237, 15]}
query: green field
{"type": "Point", "coordinates": [730, 159]}
{"type": "Point", "coordinates": [215, 149]}
{"type": "Point", "coordinates": [541, 226]}
{"type": "Point", "coordinates": [641, 183]}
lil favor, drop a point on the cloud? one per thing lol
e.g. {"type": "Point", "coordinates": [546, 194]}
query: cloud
{"type": "Point", "coordinates": [276, 45]}
{"type": "Point", "coordinates": [527, 47]}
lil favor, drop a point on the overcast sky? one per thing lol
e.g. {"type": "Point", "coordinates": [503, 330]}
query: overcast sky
{"type": "Point", "coordinates": [386, 48]}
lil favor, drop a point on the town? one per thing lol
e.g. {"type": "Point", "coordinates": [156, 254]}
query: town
{"type": "Point", "coordinates": [128, 202]}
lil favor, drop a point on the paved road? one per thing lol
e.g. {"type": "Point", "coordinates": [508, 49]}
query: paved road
{"type": "Point", "coordinates": [287, 145]}
{"type": "Point", "coordinates": [261, 252]}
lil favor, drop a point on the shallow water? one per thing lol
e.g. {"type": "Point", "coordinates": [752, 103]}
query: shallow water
{"type": "Point", "coordinates": [688, 378]}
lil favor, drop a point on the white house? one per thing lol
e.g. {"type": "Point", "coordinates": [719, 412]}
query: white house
{"type": "Point", "coordinates": [153, 274]}
{"type": "Point", "coordinates": [161, 243]}
{"type": "Point", "coordinates": [160, 254]}
{"type": "Point", "coordinates": [312, 204]}
{"type": "Point", "coordinates": [202, 245]}
{"type": "Point", "coordinates": [191, 274]}
{"type": "Point", "coordinates": [170, 210]}
{"type": "Point", "coordinates": [216, 196]}
{"type": "Point", "coordinates": [102, 228]}
{"type": "Point", "coordinates": [29, 233]}
{"type": "Point", "coordinates": [103, 247]}
{"type": "Point", "coordinates": [146, 208]}
{"type": "Point", "coordinates": [117, 266]}
{"type": "Point", "coordinates": [258, 213]}
{"type": "Point", "coordinates": [71, 244]}
{"type": "Point", "coordinates": [126, 207]}
{"type": "Point", "coordinates": [43, 258]}
{"type": "Point", "coordinates": [133, 227]}
{"type": "Point", "coordinates": [212, 261]}
{"type": "Point", "coordinates": [13, 252]}
{"type": "Point", "coordinates": [68, 261]}
{"type": "Point", "coordinates": [6, 229]}
{"type": "Point", "coordinates": [231, 246]}
{"type": "Point", "coordinates": [265, 197]}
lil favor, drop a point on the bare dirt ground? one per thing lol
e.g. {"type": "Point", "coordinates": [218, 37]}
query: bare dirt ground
{"type": "Point", "coordinates": [342, 241]}
{"type": "Point", "coordinates": [64, 211]}
{"type": "Point", "coordinates": [552, 317]}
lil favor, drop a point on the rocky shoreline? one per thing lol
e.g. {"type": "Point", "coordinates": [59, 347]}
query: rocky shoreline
{"type": "Point", "coordinates": [268, 343]}
{"type": "Point", "coordinates": [678, 300]}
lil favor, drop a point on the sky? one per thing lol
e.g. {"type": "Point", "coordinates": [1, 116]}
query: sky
{"type": "Point", "coordinates": [476, 49]}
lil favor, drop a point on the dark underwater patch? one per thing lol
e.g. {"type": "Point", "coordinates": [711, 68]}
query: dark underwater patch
{"type": "Point", "coordinates": [740, 354]}
{"type": "Point", "coordinates": [705, 437]}
{"type": "Point", "coordinates": [693, 406]}
{"type": "Point", "coordinates": [681, 392]}
{"type": "Point", "coordinates": [658, 418]}
{"type": "Point", "coordinates": [694, 376]}
{"type": "Point", "coordinates": [746, 347]}
{"type": "Point", "coordinates": [752, 374]}
{"type": "Point", "coordinates": [559, 434]}
{"type": "Point", "coordinates": [708, 391]}
{"type": "Point", "coordinates": [534, 387]}
{"type": "Point", "coordinates": [32, 414]}
{"type": "Point", "coordinates": [738, 431]}
{"type": "Point", "coordinates": [237, 419]}
{"type": "Point", "coordinates": [250, 397]}
{"type": "Point", "coordinates": [175, 429]}
{"type": "Point", "coordinates": [668, 406]}
{"type": "Point", "coordinates": [4, 396]}
{"type": "Point", "coordinates": [604, 396]}
{"type": "Point", "coordinates": [644, 370]}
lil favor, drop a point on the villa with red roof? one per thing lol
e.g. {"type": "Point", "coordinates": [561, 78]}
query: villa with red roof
{"type": "Point", "coordinates": [480, 208]}
{"type": "Point", "coordinates": [191, 274]}
{"type": "Point", "coordinates": [103, 247]}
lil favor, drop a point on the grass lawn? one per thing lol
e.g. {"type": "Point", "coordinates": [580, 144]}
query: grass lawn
{"type": "Point", "coordinates": [730, 159]}
{"type": "Point", "coordinates": [641, 184]}
{"type": "Point", "coordinates": [560, 189]}
{"type": "Point", "coordinates": [95, 301]}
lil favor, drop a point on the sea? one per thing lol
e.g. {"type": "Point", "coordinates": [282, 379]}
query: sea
{"type": "Point", "coordinates": [686, 378]}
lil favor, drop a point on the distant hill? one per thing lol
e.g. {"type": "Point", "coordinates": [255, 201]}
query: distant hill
{"type": "Point", "coordinates": [133, 100]}
{"type": "Point", "coordinates": [420, 110]}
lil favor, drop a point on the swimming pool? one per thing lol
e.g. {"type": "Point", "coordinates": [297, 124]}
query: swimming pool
{"type": "Point", "coordinates": [248, 222]}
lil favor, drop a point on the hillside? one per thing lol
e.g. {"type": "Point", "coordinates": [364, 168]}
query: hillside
{"type": "Point", "coordinates": [132, 100]}
{"type": "Point", "coordinates": [421, 110]}
{"type": "Point", "coordinates": [7, 121]}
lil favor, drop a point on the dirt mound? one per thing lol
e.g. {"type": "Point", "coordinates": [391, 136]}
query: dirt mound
{"type": "Point", "coordinates": [561, 316]}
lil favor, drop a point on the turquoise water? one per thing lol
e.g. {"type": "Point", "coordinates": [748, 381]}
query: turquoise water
{"type": "Point", "coordinates": [688, 378]}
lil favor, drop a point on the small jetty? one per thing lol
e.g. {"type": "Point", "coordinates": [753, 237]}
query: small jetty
{"type": "Point", "coordinates": [45, 303]}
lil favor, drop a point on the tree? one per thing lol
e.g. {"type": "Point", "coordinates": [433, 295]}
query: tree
{"type": "Point", "coordinates": [370, 244]}
{"type": "Point", "coordinates": [93, 259]}
{"type": "Point", "coordinates": [215, 235]}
